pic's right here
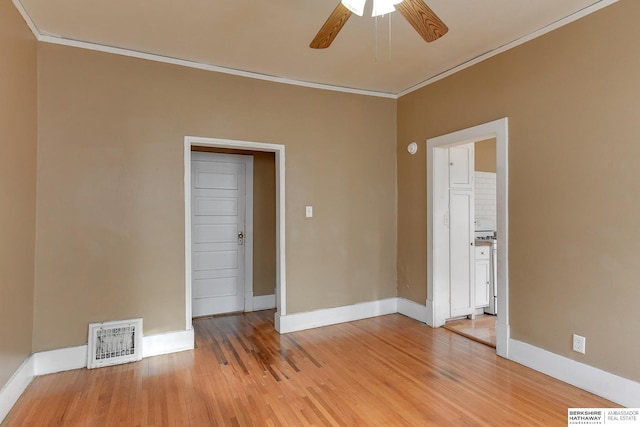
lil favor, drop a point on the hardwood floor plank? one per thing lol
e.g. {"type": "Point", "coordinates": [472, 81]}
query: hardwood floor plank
{"type": "Point", "coordinates": [388, 370]}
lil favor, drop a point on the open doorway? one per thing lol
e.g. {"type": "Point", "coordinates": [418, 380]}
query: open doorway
{"type": "Point", "coordinates": [478, 322]}
{"type": "Point", "coordinates": [218, 144]}
{"type": "Point", "coordinates": [438, 262]}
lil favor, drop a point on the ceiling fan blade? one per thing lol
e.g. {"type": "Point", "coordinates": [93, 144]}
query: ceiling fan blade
{"type": "Point", "coordinates": [423, 19]}
{"type": "Point", "coordinates": [331, 28]}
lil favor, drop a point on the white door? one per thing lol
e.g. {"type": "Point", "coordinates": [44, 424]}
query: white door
{"type": "Point", "coordinates": [461, 256]}
{"type": "Point", "coordinates": [218, 204]}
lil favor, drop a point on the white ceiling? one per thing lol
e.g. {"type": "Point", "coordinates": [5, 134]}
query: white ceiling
{"type": "Point", "coordinates": [272, 37]}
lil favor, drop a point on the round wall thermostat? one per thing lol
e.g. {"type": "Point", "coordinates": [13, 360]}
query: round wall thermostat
{"type": "Point", "coordinates": [412, 148]}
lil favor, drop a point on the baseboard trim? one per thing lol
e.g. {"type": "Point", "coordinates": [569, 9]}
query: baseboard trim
{"type": "Point", "coordinates": [172, 342]}
{"type": "Point", "coordinates": [331, 316]}
{"type": "Point", "coordinates": [59, 360]}
{"type": "Point", "coordinates": [17, 384]}
{"type": "Point", "coordinates": [412, 309]}
{"type": "Point", "coordinates": [66, 359]}
{"type": "Point", "coordinates": [264, 302]}
{"type": "Point", "coordinates": [604, 384]}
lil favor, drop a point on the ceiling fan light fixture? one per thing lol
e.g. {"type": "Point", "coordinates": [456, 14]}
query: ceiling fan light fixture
{"type": "Point", "coordinates": [355, 6]}
{"type": "Point", "coordinates": [416, 12]}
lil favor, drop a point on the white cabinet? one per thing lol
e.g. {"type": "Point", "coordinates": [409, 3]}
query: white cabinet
{"type": "Point", "coordinates": [483, 275]}
{"type": "Point", "coordinates": [461, 166]}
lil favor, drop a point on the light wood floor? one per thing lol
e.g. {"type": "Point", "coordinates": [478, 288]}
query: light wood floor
{"type": "Point", "coordinates": [481, 329]}
{"type": "Point", "coordinates": [386, 371]}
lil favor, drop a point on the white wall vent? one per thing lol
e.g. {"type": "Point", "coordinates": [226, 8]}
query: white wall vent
{"type": "Point", "coordinates": [113, 343]}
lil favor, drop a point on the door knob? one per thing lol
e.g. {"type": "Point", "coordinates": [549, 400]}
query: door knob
{"type": "Point", "coordinates": [240, 238]}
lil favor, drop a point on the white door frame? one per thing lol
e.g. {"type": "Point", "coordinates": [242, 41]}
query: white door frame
{"type": "Point", "coordinates": [190, 141]}
{"type": "Point", "coordinates": [437, 288]}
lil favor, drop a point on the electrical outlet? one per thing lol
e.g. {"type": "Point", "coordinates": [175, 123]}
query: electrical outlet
{"type": "Point", "coordinates": [579, 343]}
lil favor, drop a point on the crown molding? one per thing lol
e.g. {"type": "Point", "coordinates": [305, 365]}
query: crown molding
{"type": "Point", "coordinates": [206, 67]}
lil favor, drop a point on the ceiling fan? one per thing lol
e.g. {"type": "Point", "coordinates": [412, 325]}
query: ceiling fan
{"type": "Point", "coordinates": [416, 12]}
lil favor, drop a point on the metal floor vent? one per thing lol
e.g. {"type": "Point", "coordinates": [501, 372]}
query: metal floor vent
{"type": "Point", "coordinates": [113, 343]}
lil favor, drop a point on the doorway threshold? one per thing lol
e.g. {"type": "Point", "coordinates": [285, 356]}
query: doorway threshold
{"type": "Point", "coordinates": [482, 329]}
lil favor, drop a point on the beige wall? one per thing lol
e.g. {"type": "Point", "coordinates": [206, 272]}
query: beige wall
{"type": "Point", "coordinates": [573, 102]}
{"type": "Point", "coordinates": [110, 185]}
{"type": "Point", "coordinates": [264, 224]}
{"type": "Point", "coordinates": [18, 133]}
{"type": "Point", "coordinates": [264, 218]}
{"type": "Point", "coordinates": [485, 155]}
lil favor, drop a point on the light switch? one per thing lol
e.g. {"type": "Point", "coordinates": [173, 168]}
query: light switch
{"type": "Point", "coordinates": [309, 211]}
